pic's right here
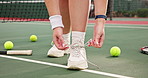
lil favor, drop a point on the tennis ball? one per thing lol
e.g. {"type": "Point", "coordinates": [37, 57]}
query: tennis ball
{"type": "Point", "coordinates": [33, 38]}
{"type": "Point", "coordinates": [115, 51]}
{"type": "Point", "coordinates": [8, 45]}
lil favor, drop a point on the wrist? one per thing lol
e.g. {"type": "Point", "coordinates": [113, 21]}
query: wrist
{"type": "Point", "coordinates": [100, 20]}
{"type": "Point", "coordinates": [56, 21]}
{"type": "Point", "coordinates": [58, 28]}
{"type": "Point", "coordinates": [100, 16]}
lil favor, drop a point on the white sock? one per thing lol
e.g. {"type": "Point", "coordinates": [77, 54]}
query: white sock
{"type": "Point", "coordinates": [66, 38]}
{"type": "Point", "coordinates": [78, 37]}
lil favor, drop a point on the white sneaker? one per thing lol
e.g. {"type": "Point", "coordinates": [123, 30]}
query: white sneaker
{"type": "Point", "coordinates": [77, 59]}
{"type": "Point", "coordinates": [55, 52]}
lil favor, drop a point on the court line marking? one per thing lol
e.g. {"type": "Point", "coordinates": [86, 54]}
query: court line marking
{"type": "Point", "coordinates": [125, 27]}
{"type": "Point", "coordinates": [132, 27]}
{"type": "Point", "coordinates": [89, 25]}
{"type": "Point", "coordinates": [63, 66]}
{"type": "Point", "coordinates": [48, 23]}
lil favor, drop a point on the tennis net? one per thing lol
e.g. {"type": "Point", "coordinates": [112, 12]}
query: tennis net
{"type": "Point", "coordinates": [28, 10]}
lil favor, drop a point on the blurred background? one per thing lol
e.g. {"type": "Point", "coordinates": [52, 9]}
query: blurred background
{"type": "Point", "coordinates": [125, 8]}
{"type": "Point", "coordinates": [35, 10]}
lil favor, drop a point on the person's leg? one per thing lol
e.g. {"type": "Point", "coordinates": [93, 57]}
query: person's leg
{"type": "Point", "coordinates": [79, 11]}
{"type": "Point", "coordinates": [64, 11]}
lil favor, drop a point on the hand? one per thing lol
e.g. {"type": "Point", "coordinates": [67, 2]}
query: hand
{"type": "Point", "coordinates": [99, 34]}
{"type": "Point", "coordinates": [58, 38]}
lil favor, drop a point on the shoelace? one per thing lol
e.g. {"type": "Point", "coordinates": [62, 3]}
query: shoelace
{"type": "Point", "coordinates": [76, 50]}
{"type": "Point", "coordinates": [77, 53]}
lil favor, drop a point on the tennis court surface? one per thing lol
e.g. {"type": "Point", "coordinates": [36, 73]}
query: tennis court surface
{"type": "Point", "coordinates": [130, 38]}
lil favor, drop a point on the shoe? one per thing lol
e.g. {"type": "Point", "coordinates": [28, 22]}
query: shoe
{"type": "Point", "coordinates": [77, 59]}
{"type": "Point", "coordinates": [55, 52]}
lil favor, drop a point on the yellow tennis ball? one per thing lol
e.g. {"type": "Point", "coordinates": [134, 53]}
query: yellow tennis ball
{"type": "Point", "coordinates": [33, 38]}
{"type": "Point", "coordinates": [115, 51]}
{"type": "Point", "coordinates": [8, 45]}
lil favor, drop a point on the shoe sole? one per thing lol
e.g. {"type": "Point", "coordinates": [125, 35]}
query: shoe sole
{"type": "Point", "coordinates": [77, 65]}
{"type": "Point", "coordinates": [55, 55]}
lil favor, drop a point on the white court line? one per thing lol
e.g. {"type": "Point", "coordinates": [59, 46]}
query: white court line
{"type": "Point", "coordinates": [89, 25]}
{"type": "Point", "coordinates": [132, 27]}
{"type": "Point", "coordinates": [129, 27]}
{"type": "Point", "coordinates": [63, 66]}
{"type": "Point", "coordinates": [48, 23]}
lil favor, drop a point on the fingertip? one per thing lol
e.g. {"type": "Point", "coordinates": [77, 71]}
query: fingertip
{"type": "Point", "coordinates": [66, 48]}
{"type": "Point", "coordinates": [60, 48]}
{"type": "Point", "coordinates": [91, 43]}
{"type": "Point", "coordinates": [63, 47]}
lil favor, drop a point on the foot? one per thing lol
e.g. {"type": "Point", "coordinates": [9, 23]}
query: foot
{"type": "Point", "coordinates": [55, 52]}
{"type": "Point", "coordinates": [77, 59]}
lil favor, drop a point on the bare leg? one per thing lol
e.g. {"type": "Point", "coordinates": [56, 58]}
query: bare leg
{"type": "Point", "coordinates": [79, 11]}
{"type": "Point", "coordinates": [64, 10]}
